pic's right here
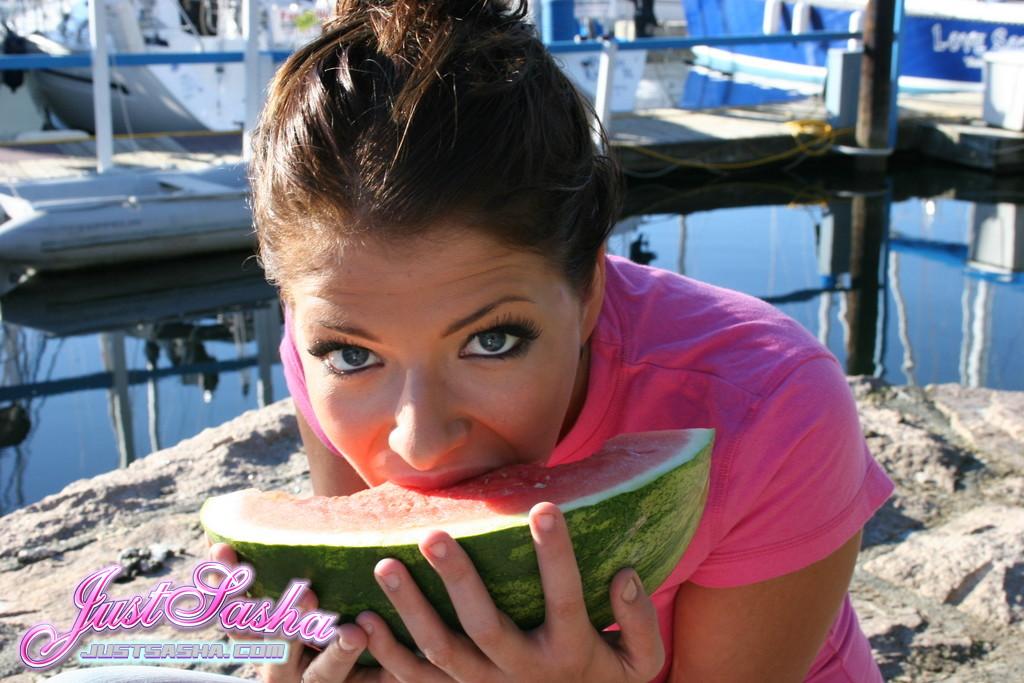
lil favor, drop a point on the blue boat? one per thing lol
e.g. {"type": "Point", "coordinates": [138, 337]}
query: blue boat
{"type": "Point", "coordinates": [943, 42]}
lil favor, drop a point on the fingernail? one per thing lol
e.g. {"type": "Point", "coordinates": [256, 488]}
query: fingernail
{"type": "Point", "coordinates": [365, 624]}
{"type": "Point", "coordinates": [439, 550]}
{"type": "Point", "coordinates": [391, 581]}
{"type": "Point", "coordinates": [546, 522]}
{"type": "Point", "coordinates": [631, 590]}
{"type": "Point", "coordinates": [345, 645]}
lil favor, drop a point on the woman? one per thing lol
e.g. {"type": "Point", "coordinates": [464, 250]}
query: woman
{"type": "Point", "coordinates": [429, 201]}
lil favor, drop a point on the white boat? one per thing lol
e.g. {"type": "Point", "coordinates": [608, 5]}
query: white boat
{"type": "Point", "coordinates": [124, 215]}
{"type": "Point", "coordinates": [942, 42]}
{"type": "Point", "coordinates": [165, 97]}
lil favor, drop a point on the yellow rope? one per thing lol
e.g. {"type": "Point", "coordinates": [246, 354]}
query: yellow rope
{"type": "Point", "coordinates": [812, 138]}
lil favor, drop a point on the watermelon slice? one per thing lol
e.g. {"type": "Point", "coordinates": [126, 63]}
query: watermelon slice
{"type": "Point", "coordinates": [635, 503]}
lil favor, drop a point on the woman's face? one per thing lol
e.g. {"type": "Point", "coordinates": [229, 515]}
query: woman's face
{"type": "Point", "coordinates": [443, 359]}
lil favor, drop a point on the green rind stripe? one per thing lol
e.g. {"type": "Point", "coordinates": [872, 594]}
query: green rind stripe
{"type": "Point", "coordinates": [647, 528]}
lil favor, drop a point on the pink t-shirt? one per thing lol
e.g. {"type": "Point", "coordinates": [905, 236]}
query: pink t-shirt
{"type": "Point", "coordinates": [791, 476]}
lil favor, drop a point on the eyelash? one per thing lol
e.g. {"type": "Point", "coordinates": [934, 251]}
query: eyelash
{"type": "Point", "coordinates": [526, 330]}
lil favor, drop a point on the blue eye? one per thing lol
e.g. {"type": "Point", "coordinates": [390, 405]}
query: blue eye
{"type": "Point", "coordinates": [492, 343]}
{"type": "Point", "coordinates": [509, 338]}
{"type": "Point", "coordinates": [347, 359]}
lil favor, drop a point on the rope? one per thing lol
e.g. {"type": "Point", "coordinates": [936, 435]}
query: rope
{"type": "Point", "coordinates": [811, 137]}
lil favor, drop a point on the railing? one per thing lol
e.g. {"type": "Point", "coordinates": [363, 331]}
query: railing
{"type": "Point", "coordinates": [100, 62]}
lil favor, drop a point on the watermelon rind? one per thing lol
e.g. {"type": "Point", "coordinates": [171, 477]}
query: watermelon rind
{"type": "Point", "coordinates": [645, 523]}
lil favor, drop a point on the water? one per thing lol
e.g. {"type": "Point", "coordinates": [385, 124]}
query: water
{"type": "Point", "coordinates": [199, 342]}
{"type": "Point", "coordinates": [947, 306]}
{"type": "Point", "coordinates": [924, 304]}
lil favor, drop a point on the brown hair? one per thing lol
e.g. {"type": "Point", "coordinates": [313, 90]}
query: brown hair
{"type": "Point", "coordinates": [406, 112]}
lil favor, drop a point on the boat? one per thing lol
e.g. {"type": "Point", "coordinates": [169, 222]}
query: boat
{"type": "Point", "coordinates": [162, 97]}
{"type": "Point", "coordinates": [942, 42]}
{"type": "Point", "coordinates": [124, 215]}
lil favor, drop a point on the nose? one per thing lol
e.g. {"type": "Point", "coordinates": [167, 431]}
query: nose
{"type": "Point", "coordinates": [426, 428]}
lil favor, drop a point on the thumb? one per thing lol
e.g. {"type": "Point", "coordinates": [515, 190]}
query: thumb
{"type": "Point", "coordinates": [223, 553]}
{"type": "Point", "coordinates": [639, 646]}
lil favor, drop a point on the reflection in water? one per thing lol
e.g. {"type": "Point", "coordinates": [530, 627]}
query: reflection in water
{"type": "Point", "coordinates": [152, 352]}
{"type": "Point", "coordinates": [112, 345]}
{"type": "Point", "coordinates": [996, 243]}
{"type": "Point", "coordinates": [180, 333]}
{"type": "Point", "coordinates": [901, 318]}
{"type": "Point", "coordinates": [187, 358]}
{"type": "Point", "coordinates": [14, 424]}
{"type": "Point", "coordinates": [638, 252]}
{"type": "Point", "coordinates": [977, 326]}
{"type": "Point", "coordinates": [869, 226]}
{"type": "Point", "coordinates": [21, 360]}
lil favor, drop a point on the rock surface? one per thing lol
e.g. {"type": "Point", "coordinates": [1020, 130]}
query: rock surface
{"type": "Point", "coordinates": [939, 586]}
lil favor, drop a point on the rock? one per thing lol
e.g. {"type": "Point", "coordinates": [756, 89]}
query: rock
{"type": "Point", "coordinates": [910, 453]}
{"type": "Point", "coordinates": [974, 562]}
{"type": "Point", "coordinates": [30, 555]}
{"type": "Point", "coordinates": [143, 561]}
{"type": "Point", "coordinates": [991, 421]}
{"type": "Point", "coordinates": [927, 467]}
{"type": "Point", "coordinates": [146, 517]}
{"type": "Point", "coordinates": [257, 447]}
{"type": "Point", "coordinates": [915, 639]}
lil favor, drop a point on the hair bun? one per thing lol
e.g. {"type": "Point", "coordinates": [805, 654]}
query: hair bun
{"type": "Point", "coordinates": [397, 23]}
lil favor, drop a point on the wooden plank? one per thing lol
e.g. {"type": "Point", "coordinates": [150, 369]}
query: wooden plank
{"type": "Point", "coordinates": [77, 157]}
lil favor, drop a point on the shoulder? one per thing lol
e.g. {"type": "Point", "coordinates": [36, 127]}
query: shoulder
{"type": "Point", "coordinates": [669, 321]}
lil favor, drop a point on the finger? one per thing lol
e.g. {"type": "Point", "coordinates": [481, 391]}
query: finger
{"type": "Point", "coordinates": [565, 611]}
{"type": "Point", "coordinates": [337, 660]}
{"type": "Point", "coordinates": [449, 651]}
{"type": "Point", "coordinates": [639, 644]}
{"type": "Point", "coordinates": [299, 656]}
{"type": "Point", "coordinates": [299, 659]}
{"type": "Point", "coordinates": [490, 629]}
{"type": "Point", "coordinates": [223, 553]}
{"type": "Point", "coordinates": [226, 555]}
{"type": "Point", "coordinates": [396, 660]}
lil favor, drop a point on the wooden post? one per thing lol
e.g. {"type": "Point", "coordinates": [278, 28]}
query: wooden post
{"type": "Point", "coordinates": [267, 327]}
{"type": "Point", "coordinates": [876, 92]}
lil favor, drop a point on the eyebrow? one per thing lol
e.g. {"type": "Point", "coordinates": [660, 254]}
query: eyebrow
{"type": "Point", "coordinates": [356, 331]}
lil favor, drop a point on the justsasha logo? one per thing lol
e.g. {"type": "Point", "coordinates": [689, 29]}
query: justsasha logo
{"type": "Point", "coordinates": [146, 651]}
{"type": "Point", "coordinates": [213, 596]}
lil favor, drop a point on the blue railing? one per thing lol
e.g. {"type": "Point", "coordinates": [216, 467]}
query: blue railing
{"type": "Point", "coordinates": [32, 62]}
{"type": "Point", "coordinates": [670, 43]}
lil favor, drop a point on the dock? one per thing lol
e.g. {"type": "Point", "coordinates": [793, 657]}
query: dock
{"type": "Point", "coordinates": [60, 156]}
{"type": "Point", "coordinates": [944, 128]}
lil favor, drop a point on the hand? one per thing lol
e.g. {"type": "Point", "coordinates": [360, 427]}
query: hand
{"type": "Point", "coordinates": [566, 647]}
{"type": "Point", "coordinates": [304, 664]}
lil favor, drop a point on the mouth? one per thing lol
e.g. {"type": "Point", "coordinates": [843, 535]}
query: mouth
{"type": "Point", "coordinates": [438, 480]}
